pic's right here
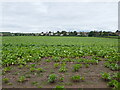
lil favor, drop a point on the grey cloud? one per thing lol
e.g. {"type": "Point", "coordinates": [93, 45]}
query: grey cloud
{"type": "Point", "coordinates": [38, 17]}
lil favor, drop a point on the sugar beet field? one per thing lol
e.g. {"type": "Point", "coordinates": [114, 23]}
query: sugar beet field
{"type": "Point", "coordinates": [60, 62]}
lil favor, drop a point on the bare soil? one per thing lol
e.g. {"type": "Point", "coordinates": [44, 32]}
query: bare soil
{"type": "Point", "coordinates": [91, 74]}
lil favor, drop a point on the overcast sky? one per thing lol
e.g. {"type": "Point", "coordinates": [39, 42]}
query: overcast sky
{"type": "Point", "coordinates": [58, 16]}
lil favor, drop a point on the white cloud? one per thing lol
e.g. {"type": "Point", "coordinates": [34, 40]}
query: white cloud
{"type": "Point", "coordinates": [45, 16]}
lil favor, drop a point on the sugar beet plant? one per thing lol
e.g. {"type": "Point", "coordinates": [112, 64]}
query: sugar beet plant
{"type": "Point", "coordinates": [77, 78]}
{"type": "Point", "coordinates": [61, 78]}
{"type": "Point", "coordinates": [114, 83]}
{"type": "Point", "coordinates": [52, 78]}
{"type": "Point", "coordinates": [106, 76]}
{"type": "Point", "coordinates": [22, 79]}
{"type": "Point", "coordinates": [56, 59]}
{"type": "Point", "coordinates": [5, 80]}
{"type": "Point", "coordinates": [40, 70]}
{"type": "Point", "coordinates": [56, 65]}
{"type": "Point", "coordinates": [113, 80]}
{"type": "Point", "coordinates": [112, 62]}
{"type": "Point", "coordinates": [7, 69]}
{"type": "Point", "coordinates": [63, 69]}
{"type": "Point", "coordinates": [59, 87]}
{"type": "Point", "coordinates": [76, 67]}
{"type": "Point", "coordinates": [116, 76]}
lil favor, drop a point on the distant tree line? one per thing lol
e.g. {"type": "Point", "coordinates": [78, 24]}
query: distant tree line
{"type": "Point", "coordinates": [64, 33]}
{"type": "Point", "coordinates": [102, 34]}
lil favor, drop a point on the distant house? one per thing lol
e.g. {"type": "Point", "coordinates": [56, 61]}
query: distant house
{"type": "Point", "coordinates": [67, 33]}
{"type": "Point", "coordinates": [1, 34]}
{"type": "Point", "coordinates": [5, 34]}
{"type": "Point", "coordinates": [118, 33]}
{"type": "Point", "coordinates": [46, 34]}
{"type": "Point", "coordinates": [13, 34]}
{"type": "Point", "coordinates": [56, 34]}
{"type": "Point", "coordinates": [42, 34]}
{"type": "Point", "coordinates": [78, 34]}
{"type": "Point", "coordinates": [61, 34]}
{"type": "Point", "coordinates": [50, 33]}
{"type": "Point", "coordinates": [85, 34]}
